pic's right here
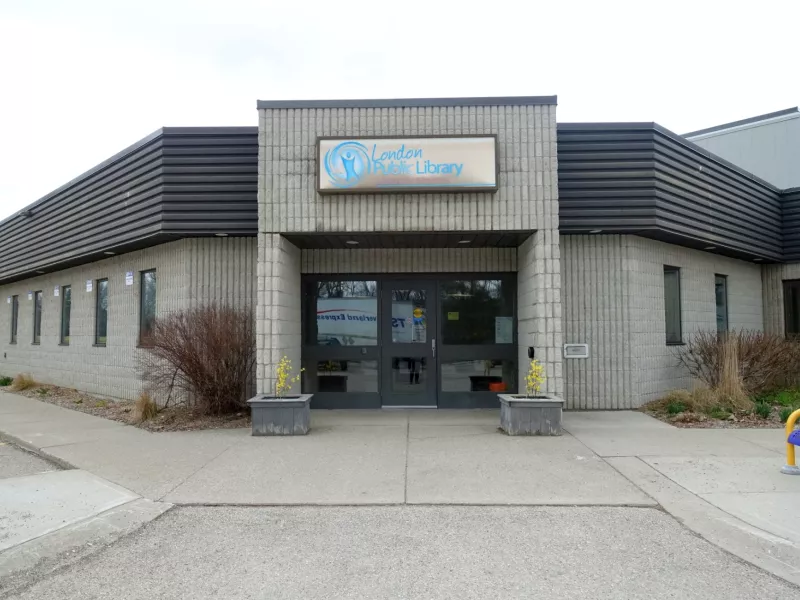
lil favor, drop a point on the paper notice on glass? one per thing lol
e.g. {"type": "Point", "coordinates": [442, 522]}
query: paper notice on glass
{"type": "Point", "coordinates": [55, 291]}
{"type": "Point", "coordinates": [129, 278]}
{"type": "Point", "coordinates": [88, 285]}
{"type": "Point", "coordinates": [504, 330]}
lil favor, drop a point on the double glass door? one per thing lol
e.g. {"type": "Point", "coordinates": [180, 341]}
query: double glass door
{"type": "Point", "coordinates": [430, 340]}
{"type": "Point", "coordinates": [409, 343]}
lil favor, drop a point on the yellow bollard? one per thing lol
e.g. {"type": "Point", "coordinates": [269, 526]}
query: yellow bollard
{"type": "Point", "coordinates": [791, 468]}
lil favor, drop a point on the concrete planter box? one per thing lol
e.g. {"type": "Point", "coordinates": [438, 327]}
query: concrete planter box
{"type": "Point", "coordinates": [540, 415]}
{"type": "Point", "coordinates": [290, 415]}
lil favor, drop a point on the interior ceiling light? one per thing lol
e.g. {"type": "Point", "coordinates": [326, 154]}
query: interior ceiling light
{"type": "Point", "coordinates": [109, 253]}
{"type": "Point", "coordinates": [596, 231]}
{"type": "Point", "coordinates": [221, 234]}
{"type": "Point", "coordinates": [351, 243]}
{"type": "Point", "coordinates": [464, 241]}
{"type": "Point", "coordinates": [710, 248]}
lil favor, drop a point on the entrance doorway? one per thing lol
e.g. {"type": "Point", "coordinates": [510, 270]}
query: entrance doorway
{"type": "Point", "coordinates": [430, 340]}
{"type": "Point", "coordinates": [408, 350]}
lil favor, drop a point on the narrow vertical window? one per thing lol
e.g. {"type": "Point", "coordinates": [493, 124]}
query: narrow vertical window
{"type": "Point", "coordinates": [66, 309]}
{"type": "Point", "coordinates": [721, 293]}
{"type": "Point", "coordinates": [672, 304]}
{"type": "Point", "coordinates": [14, 318]}
{"type": "Point", "coordinates": [37, 317]}
{"type": "Point", "coordinates": [791, 306]}
{"type": "Point", "coordinates": [101, 313]}
{"type": "Point", "coordinates": [147, 305]}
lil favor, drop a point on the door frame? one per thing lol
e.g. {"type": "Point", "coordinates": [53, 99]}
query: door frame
{"type": "Point", "coordinates": [333, 400]}
{"type": "Point", "coordinates": [391, 351]}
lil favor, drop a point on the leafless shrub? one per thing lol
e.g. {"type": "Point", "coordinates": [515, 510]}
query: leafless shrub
{"type": "Point", "coordinates": [23, 382]}
{"type": "Point", "coordinates": [763, 359]}
{"type": "Point", "coordinates": [205, 354]}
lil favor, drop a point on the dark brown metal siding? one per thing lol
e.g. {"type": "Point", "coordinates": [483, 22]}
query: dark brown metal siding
{"type": "Point", "coordinates": [790, 200]}
{"type": "Point", "coordinates": [177, 182]}
{"type": "Point", "coordinates": [641, 178]}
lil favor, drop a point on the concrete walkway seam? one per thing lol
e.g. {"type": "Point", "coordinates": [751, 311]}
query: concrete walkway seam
{"type": "Point", "coordinates": [36, 451]}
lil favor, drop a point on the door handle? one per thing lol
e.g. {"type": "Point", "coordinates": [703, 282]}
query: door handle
{"type": "Point", "coordinates": [433, 346]}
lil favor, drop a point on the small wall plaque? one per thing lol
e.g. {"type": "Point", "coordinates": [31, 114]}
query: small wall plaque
{"type": "Point", "coordinates": [576, 350]}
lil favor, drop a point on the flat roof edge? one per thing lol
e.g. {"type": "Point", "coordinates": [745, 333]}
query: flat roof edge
{"type": "Point", "coordinates": [412, 102]}
{"type": "Point", "coordinates": [749, 121]}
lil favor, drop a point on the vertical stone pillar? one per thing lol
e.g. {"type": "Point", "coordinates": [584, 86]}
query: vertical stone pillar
{"type": "Point", "coordinates": [278, 313]}
{"type": "Point", "coordinates": [539, 308]}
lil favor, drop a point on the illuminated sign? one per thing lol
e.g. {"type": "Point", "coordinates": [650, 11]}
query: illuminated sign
{"type": "Point", "coordinates": [407, 164]}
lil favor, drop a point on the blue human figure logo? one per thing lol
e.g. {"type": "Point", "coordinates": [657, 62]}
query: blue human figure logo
{"type": "Point", "coordinates": [347, 163]}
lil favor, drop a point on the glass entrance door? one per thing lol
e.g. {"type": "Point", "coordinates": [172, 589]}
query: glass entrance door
{"type": "Point", "coordinates": [409, 343]}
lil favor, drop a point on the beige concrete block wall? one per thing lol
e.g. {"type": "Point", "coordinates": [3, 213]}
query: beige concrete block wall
{"type": "Point", "coordinates": [539, 309]}
{"type": "Point", "coordinates": [614, 301]}
{"type": "Point", "coordinates": [654, 361]}
{"type": "Point", "coordinates": [288, 201]}
{"type": "Point", "coordinates": [189, 273]}
{"type": "Point", "coordinates": [772, 277]}
{"type": "Point", "coordinates": [410, 260]}
{"type": "Point", "coordinates": [597, 306]}
{"type": "Point", "coordinates": [278, 312]}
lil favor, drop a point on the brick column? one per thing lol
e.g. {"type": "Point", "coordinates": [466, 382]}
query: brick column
{"type": "Point", "coordinates": [278, 310]}
{"type": "Point", "coordinates": [539, 308]}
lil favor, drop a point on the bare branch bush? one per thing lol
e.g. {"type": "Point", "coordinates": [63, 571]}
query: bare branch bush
{"type": "Point", "coordinates": [206, 355]}
{"type": "Point", "coordinates": [764, 360]}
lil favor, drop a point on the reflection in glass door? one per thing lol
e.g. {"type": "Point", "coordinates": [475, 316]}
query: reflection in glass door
{"type": "Point", "coordinates": [409, 347]}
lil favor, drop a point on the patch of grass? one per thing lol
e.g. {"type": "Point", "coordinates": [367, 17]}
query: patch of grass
{"type": "Point", "coordinates": [78, 401]}
{"type": "Point", "coordinates": [699, 401]}
{"type": "Point", "coordinates": [785, 413]}
{"type": "Point", "coordinates": [674, 408]}
{"type": "Point", "coordinates": [718, 412]}
{"type": "Point", "coordinates": [100, 404]}
{"type": "Point", "coordinates": [788, 398]}
{"type": "Point", "coordinates": [6, 381]}
{"type": "Point", "coordinates": [23, 382]}
{"type": "Point", "coordinates": [763, 410]}
{"type": "Point", "coordinates": [144, 409]}
{"type": "Point", "coordinates": [42, 391]}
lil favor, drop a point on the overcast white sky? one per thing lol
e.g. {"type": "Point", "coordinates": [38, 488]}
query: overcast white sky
{"type": "Point", "coordinates": [82, 79]}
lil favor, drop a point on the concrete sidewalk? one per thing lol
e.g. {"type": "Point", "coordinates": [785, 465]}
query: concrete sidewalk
{"type": "Point", "coordinates": [723, 484]}
{"type": "Point", "coordinates": [49, 516]}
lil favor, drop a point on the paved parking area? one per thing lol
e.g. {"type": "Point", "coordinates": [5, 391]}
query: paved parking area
{"type": "Point", "coordinates": [410, 552]}
{"type": "Point", "coordinates": [15, 462]}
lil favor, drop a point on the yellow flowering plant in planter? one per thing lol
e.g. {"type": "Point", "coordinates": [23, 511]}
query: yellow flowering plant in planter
{"type": "Point", "coordinates": [534, 379]}
{"type": "Point", "coordinates": [284, 381]}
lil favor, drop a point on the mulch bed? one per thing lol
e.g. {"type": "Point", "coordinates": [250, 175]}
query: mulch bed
{"type": "Point", "coordinates": [170, 419]}
{"type": "Point", "coordinates": [690, 420]}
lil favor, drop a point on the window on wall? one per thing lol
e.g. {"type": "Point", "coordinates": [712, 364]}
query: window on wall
{"type": "Point", "coordinates": [672, 304]}
{"type": "Point", "coordinates": [101, 313]}
{"type": "Point", "coordinates": [37, 317]}
{"type": "Point", "coordinates": [721, 293]}
{"type": "Point", "coordinates": [147, 305]}
{"type": "Point", "coordinates": [66, 309]}
{"type": "Point", "coordinates": [476, 312]}
{"type": "Point", "coordinates": [14, 318]}
{"type": "Point", "coordinates": [346, 314]}
{"type": "Point", "coordinates": [791, 307]}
